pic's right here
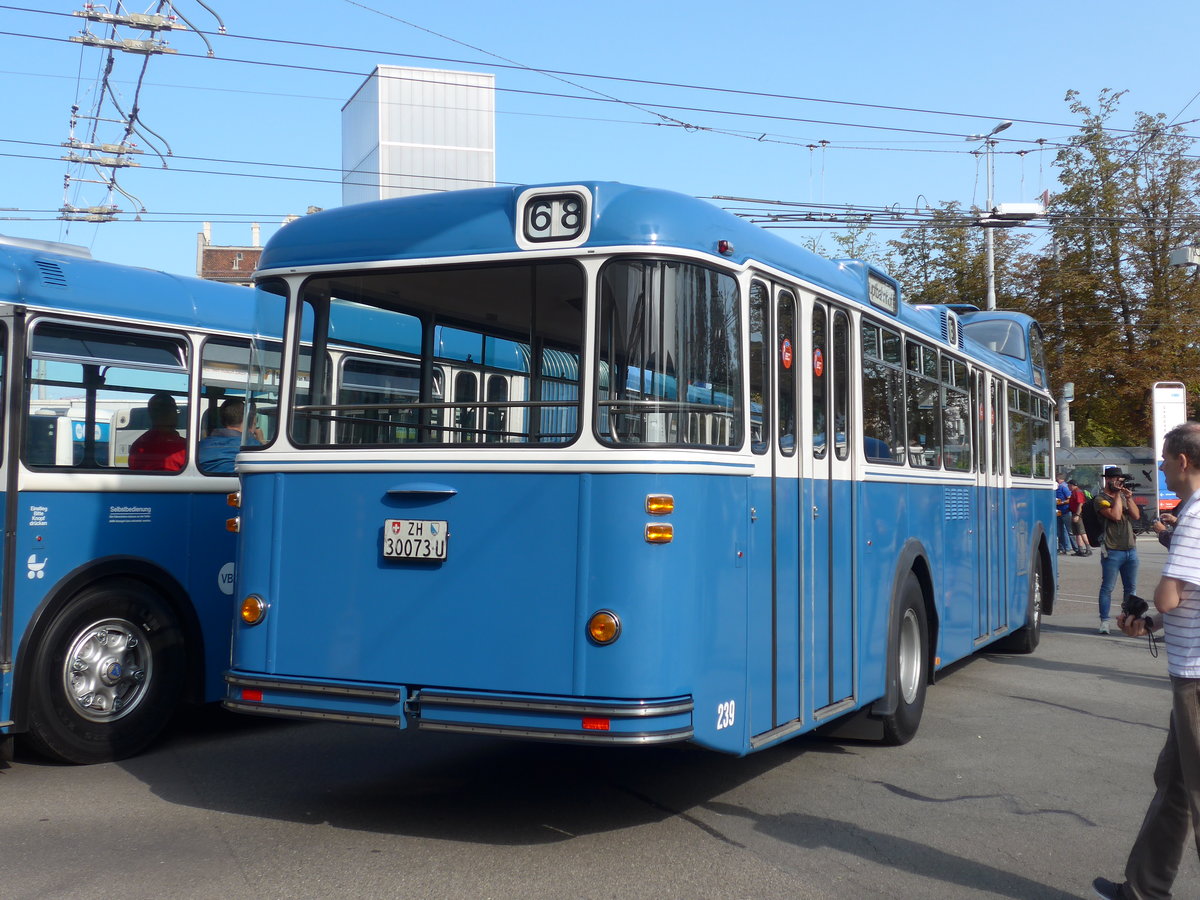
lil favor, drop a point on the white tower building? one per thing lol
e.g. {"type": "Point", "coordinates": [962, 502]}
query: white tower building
{"type": "Point", "coordinates": [412, 131]}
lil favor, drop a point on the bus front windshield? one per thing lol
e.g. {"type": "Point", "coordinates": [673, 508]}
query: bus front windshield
{"type": "Point", "coordinates": [480, 355]}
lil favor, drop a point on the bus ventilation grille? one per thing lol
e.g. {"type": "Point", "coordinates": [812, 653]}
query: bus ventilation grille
{"type": "Point", "coordinates": [957, 503]}
{"type": "Point", "coordinates": [951, 333]}
{"type": "Point", "coordinates": [52, 273]}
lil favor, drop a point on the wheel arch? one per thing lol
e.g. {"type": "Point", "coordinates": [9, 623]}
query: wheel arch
{"type": "Point", "coordinates": [154, 577]}
{"type": "Point", "coordinates": [1041, 553]}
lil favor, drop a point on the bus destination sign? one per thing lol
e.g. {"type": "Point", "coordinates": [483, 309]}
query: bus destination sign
{"type": "Point", "coordinates": [882, 294]}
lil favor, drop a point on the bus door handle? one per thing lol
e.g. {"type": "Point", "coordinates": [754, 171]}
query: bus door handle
{"type": "Point", "coordinates": [816, 512]}
{"type": "Point", "coordinates": [422, 489]}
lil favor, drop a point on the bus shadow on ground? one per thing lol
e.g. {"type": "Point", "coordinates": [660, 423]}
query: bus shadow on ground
{"type": "Point", "coordinates": [508, 793]}
{"type": "Point", "coordinates": [447, 787]}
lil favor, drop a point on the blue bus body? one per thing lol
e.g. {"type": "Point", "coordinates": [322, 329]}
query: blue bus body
{"type": "Point", "coordinates": [117, 584]}
{"type": "Point", "coordinates": [805, 573]}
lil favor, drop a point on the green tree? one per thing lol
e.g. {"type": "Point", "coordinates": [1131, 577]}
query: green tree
{"type": "Point", "coordinates": [858, 241]}
{"type": "Point", "coordinates": [945, 260]}
{"type": "Point", "coordinates": [1117, 318]}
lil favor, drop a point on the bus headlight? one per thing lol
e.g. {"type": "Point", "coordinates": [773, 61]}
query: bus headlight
{"type": "Point", "coordinates": [254, 609]}
{"type": "Point", "coordinates": [604, 627]}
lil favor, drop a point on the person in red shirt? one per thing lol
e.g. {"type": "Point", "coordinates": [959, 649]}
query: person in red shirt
{"type": "Point", "coordinates": [1075, 506]}
{"type": "Point", "coordinates": [162, 448]}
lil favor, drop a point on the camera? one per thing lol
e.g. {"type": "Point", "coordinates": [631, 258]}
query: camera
{"type": "Point", "coordinates": [1132, 485]}
{"type": "Point", "coordinates": [1135, 608]}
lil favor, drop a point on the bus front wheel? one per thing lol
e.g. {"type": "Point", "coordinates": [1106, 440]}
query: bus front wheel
{"type": "Point", "coordinates": [908, 665]}
{"type": "Point", "coordinates": [107, 674]}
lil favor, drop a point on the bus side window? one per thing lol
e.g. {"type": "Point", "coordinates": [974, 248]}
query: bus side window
{"type": "Point", "coordinates": [760, 368]}
{"type": "Point", "coordinates": [92, 387]}
{"type": "Point", "coordinates": [221, 424]}
{"type": "Point", "coordinates": [882, 395]}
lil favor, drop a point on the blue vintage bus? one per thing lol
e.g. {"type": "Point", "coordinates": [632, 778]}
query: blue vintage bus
{"type": "Point", "coordinates": [641, 472]}
{"type": "Point", "coordinates": [117, 586]}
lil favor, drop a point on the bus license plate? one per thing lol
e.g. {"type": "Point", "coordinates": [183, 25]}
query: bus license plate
{"type": "Point", "coordinates": [414, 539]}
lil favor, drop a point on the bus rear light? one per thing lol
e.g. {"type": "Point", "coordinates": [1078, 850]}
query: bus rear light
{"type": "Point", "coordinates": [660, 504]}
{"type": "Point", "coordinates": [591, 724]}
{"type": "Point", "coordinates": [660, 534]}
{"type": "Point", "coordinates": [254, 609]}
{"type": "Point", "coordinates": [234, 525]}
{"type": "Point", "coordinates": [252, 694]}
{"type": "Point", "coordinates": [604, 627]}
{"type": "Point", "coordinates": [234, 499]}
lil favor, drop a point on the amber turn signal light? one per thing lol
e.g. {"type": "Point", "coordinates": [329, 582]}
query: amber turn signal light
{"type": "Point", "coordinates": [254, 609]}
{"type": "Point", "coordinates": [660, 504]}
{"type": "Point", "coordinates": [604, 627]}
{"type": "Point", "coordinates": [660, 534]}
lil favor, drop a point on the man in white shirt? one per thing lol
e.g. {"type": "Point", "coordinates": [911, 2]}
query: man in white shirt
{"type": "Point", "coordinates": [1175, 810]}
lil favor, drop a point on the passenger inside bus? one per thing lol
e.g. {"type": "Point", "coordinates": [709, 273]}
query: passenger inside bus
{"type": "Point", "coordinates": [161, 448]}
{"type": "Point", "coordinates": [875, 449]}
{"type": "Point", "coordinates": [216, 452]}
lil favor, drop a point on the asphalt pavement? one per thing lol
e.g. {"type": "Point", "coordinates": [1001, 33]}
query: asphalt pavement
{"type": "Point", "coordinates": [1029, 777]}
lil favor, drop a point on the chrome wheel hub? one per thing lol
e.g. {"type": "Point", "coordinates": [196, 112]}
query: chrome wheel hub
{"type": "Point", "coordinates": [910, 656]}
{"type": "Point", "coordinates": [107, 669]}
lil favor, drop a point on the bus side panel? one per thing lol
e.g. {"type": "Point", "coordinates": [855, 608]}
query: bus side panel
{"type": "Point", "coordinates": [683, 604]}
{"type": "Point", "coordinates": [883, 526]}
{"type": "Point", "coordinates": [789, 594]}
{"type": "Point", "coordinates": [259, 557]}
{"type": "Point", "coordinates": [210, 585]}
{"type": "Point", "coordinates": [58, 533]}
{"type": "Point", "coordinates": [1028, 506]}
{"type": "Point", "coordinates": [958, 571]}
{"type": "Point", "coordinates": [842, 581]}
{"type": "Point", "coordinates": [760, 703]}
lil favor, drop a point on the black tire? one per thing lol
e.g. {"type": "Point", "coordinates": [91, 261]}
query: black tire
{"type": "Point", "coordinates": [1027, 638]}
{"type": "Point", "coordinates": [107, 674]}
{"type": "Point", "coordinates": [908, 665]}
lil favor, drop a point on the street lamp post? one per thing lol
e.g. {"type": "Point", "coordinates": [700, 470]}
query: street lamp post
{"type": "Point", "coordinates": [989, 238]}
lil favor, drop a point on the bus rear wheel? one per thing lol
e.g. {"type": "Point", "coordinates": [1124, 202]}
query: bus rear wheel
{"type": "Point", "coordinates": [909, 664]}
{"type": "Point", "coordinates": [107, 674]}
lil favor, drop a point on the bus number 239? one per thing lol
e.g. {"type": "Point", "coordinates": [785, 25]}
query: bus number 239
{"type": "Point", "coordinates": [725, 714]}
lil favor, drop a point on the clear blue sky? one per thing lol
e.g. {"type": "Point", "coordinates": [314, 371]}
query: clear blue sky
{"type": "Point", "coordinates": [984, 62]}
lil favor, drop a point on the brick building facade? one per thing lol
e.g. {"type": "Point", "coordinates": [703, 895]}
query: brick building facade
{"type": "Point", "coordinates": [232, 265]}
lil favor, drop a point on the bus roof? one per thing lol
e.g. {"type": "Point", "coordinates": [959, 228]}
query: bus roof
{"type": "Point", "coordinates": [472, 222]}
{"type": "Point", "coordinates": [458, 224]}
{"type": "Point", "coordinates": [52, 276]}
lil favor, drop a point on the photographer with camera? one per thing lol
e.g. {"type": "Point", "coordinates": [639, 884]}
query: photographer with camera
{"type": "Point", "coordinates": [1118, 549]}
{"type": "Point", "coordinates": [1154, 859]}
{"type": "Point", "coordinates": [1164, 526]}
